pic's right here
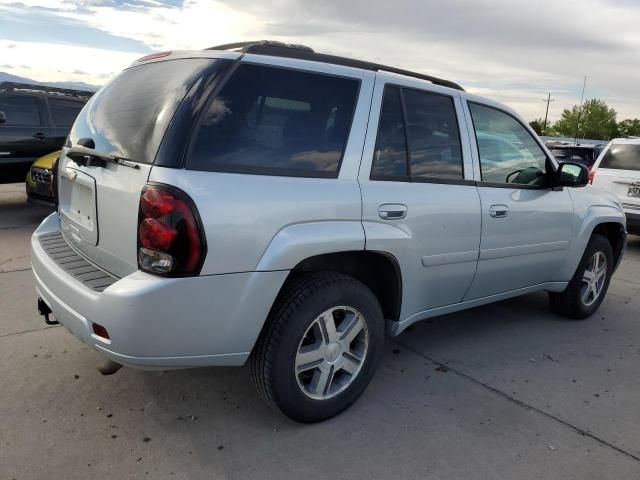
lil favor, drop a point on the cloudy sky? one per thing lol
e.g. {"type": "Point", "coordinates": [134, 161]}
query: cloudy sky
{"type": "Point", "coordinates": [510, 50]}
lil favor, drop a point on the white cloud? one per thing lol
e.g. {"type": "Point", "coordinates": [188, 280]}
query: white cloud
{"type": "Point", "coordinates": [56, 62]}
{"type": "Point", "coordinates": [514, 52]}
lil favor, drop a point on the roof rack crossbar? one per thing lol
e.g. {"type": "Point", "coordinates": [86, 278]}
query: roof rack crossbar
{"type": "Point", "coordinates": [15, 86]}
{"type": "Point", "coordinates": [301, 52]}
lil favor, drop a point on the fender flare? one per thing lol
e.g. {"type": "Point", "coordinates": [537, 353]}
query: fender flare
{"type": "Point", "coordinates": [295, 243]}
{"type": "Point", "coordinates": [594, 216]}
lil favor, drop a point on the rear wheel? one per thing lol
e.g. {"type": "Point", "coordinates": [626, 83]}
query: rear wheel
{"type": "Point", "coordinates": [589, 285]}
{"type": "Point", "coordinates": [320, 348]}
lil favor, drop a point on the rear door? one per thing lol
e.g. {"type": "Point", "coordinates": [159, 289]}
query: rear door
{"type": "Point", "coordinates": [22, 136]}
{"type": "Point", "coordinates": [420, 203]}
{"type": "Point", "coordinates": [63, 112]}
{"type": "Point", "coordinates": [125, 122]}
{"type": "Point", "coordinates": [526, 226]}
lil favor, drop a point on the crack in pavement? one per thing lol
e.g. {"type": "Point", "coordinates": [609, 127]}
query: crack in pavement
{"type": "Point", "coordinates": [6, 335]}
{"type": "Point", "coordinates": [16, 270]}
{"type": "Point", "coordinates": [522, 404]}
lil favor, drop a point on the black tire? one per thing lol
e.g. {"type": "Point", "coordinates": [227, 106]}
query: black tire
{"type": "Point", "coordinates": [273, 359]}
{"type": "Point", "coordinates": [570, 303]}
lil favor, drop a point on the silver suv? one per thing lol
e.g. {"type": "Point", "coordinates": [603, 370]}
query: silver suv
{"type": "Point", "coordinates": [261, 202]}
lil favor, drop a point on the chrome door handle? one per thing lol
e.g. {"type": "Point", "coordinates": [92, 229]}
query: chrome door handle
{"type": "Point", "coordinates": [392, 211]}
{"type": "Point", "coordinates": [498, 211]}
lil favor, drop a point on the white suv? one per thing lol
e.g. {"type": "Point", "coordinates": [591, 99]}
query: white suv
{"type": "Point", "coordinates": [264, 202]}
{"type": "Point", "coordinates": [617, 170]}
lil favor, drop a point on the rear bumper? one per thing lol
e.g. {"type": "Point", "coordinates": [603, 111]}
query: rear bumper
{"type": "Point", "coordinates": [156, 322]}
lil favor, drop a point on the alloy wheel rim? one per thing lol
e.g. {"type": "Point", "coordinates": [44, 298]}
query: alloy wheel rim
{"type": "Point", "coordinates": [593, 279]}
{"type": "Point", "coordinates": [331, 353]}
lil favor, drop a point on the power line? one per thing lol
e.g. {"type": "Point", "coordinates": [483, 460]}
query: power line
{"type": "Point", "coordinates": [546, 115]}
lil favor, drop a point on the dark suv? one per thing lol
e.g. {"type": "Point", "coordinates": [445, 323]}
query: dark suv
{"type": "Point", "coordinates": [583, 154]}
{"type": "Point", "coordinates": [34, 121]}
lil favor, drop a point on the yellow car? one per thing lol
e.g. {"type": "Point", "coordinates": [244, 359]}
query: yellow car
{"type": "Point", "coordinates": [40, 179]}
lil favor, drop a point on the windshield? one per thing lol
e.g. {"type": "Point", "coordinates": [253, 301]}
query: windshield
{"type": "Point", "coordinates": [622, 157]}
{"type": "Point", "coordinates": [129, 116]}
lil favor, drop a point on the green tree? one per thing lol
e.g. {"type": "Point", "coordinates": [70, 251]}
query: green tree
{"type": "Point", "coordinates": [629, 127]}
{"type": "Point", "coordinates": [537, 125]}
{"type": "Point", "coordinates": [594, 120]}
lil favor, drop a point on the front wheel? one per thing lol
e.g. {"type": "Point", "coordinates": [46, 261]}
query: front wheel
{"type": "Point", "coordinates": [322, 344]}
{"type": "Point", "coordinates": [589, 285]}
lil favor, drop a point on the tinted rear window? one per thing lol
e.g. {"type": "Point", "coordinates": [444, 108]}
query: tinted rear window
{"type": "Point", "coordinates": [276, 121]}
{"type": "Point", "coordinates": [129, 116]}
{"type": "Point", "coordinates": [434, 139]}
{"type": "Point", "coordinates": [622, 157]}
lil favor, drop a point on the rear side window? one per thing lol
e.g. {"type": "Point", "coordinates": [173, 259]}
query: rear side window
{"type": "Point", "coordinates": [21, 110]}
{"type": "Point", "coordinates": [622, 157]}
{"type": "Point", "coordinates": [434, 139]}
{"type": "Point", "coordinates": [276, 121]}
{"type": "Point", "coordinates": [421, 143]}
{"type": "Point", "coordinates": [129, 116]}
{"type": "Point", "coordinates": [63, 111]}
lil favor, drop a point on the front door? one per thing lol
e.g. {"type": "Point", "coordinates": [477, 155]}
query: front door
{"type": "Point", "coordinates": [420, 203]}
{"type": "Point", "coordinates": [526, 226]}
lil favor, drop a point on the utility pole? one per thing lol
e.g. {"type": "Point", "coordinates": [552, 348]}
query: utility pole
{"type": "Point", "coordinates": [584, 84]}
{"type": "Point", "coordinates": [546, 115]}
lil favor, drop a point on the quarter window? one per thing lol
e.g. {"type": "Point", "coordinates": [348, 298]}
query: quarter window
{"type": "Point", "coordinates": [276, 121]}
{"type": "Point", "coordinates": [421, 143]}
{"type": "Point", "coordinates": [508, 152]}
{"type": "Point", "coordinates": [20, 110]}
{"type": "Point", "coordinates": [390, 157]}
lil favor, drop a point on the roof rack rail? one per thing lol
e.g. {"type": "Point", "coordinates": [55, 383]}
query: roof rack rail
{"type": "Point", "coordinates": [302, 52]}
{"type": "Point", "coordinates": [15, 86]}
{"type": "Point", "coordinates": [246, 47]}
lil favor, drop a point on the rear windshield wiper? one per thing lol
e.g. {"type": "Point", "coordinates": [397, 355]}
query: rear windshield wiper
{"type": "Point", "coordinates": [91, 158]}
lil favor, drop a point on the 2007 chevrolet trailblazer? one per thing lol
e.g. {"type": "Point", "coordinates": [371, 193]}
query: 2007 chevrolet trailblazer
{"type": "Point", "coordinates": [267, 203]}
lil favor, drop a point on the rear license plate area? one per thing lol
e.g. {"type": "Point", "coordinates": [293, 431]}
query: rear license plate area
{"type": "Point", "coordinates": [77, 200]}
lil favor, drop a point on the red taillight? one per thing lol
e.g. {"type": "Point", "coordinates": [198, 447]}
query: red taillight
{"type": "Point", "coordinates": [156, 234]}
{"type": "Point", "coordinates": [592, 174]}
{"type": "Point", "coordinates": [170, 240]}
{"type": "Point", "coordinates": [153, 56]}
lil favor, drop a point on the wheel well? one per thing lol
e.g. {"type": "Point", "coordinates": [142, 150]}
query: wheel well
{"type": "Point", "coordinates": [614, 232]}
{"type": "Point", "coordinates": [378, 271]}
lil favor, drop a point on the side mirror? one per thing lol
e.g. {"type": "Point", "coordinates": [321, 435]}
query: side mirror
{"type": "Point", "coordinates": [3, 117]}
{"type": "Point", "coordinates": [571, 174]}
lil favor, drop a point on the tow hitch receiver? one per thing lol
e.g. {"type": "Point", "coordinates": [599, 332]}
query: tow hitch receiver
{"type": "Point", "coordinates": [45, 311]}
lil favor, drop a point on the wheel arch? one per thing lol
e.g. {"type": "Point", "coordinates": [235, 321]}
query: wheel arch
{"type": "Point", "coordinates": [600, 219]}
{"type": "Point", "coordinates": [379, 271]}
{"type": "Point", "coordinates": [616, 234]}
